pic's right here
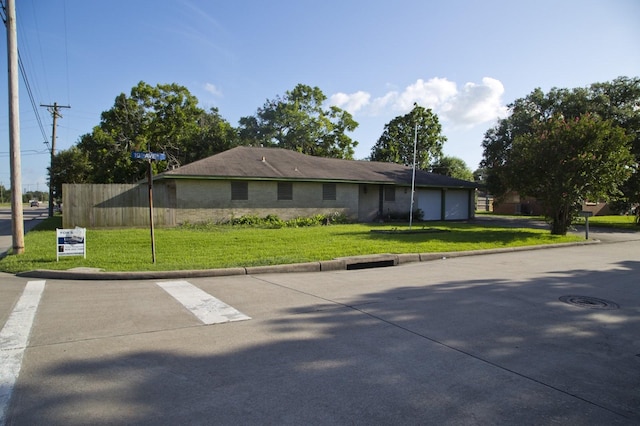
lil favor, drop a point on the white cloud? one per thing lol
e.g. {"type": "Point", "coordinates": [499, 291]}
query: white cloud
{"type": "Point", "coordinates": [211, 88]}
{"type": "Point", "coordinates": [351, 103]}
{"type": "Point", "coordinates": [431, 94]}
{"type": "Point", "coordinates": [474, 104]}
{"type": "Point", "coordinates": [477, 103]}
{"type": "Point", "coordinates": [379, 105]}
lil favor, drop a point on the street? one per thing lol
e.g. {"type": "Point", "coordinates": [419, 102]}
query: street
{"type": "Point", "coordinates": [31, 216]}
{"type": "Point", "coordinates": [532, 337]}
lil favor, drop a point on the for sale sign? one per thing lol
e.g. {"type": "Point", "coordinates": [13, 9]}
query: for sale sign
{"type": "Point", "coordinates": [71, 242]}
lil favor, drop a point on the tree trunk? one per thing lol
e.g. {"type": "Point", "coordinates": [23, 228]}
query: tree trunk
{"type": "Point", "coordinates": [560, 223]}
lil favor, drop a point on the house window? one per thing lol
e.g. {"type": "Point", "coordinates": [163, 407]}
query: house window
{"type": "Point", "coordinates": [389, 193]}
{"type": "Point", "coordinates": [328, 191]}
{"type": "Point", "coordinates": [285, 191]}
{"type": "Point", "coordinates": [239, 190]}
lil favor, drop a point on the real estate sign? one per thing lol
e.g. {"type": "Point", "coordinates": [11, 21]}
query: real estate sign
{"type": "Point", "coordinates": [71, 242]}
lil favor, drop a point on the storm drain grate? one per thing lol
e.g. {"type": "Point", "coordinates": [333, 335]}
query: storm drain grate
{"type": "Point", "coordinates": [589, 302]}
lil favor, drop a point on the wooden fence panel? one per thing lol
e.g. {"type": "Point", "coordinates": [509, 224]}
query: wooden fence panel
{"type": "Point", "coordinates": [116, 205]}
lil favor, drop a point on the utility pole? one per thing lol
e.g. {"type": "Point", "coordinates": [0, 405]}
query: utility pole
{"type": "Point", "coordinates": [53, 109]}
{"type": "Point", "coordinates": [17, 216]}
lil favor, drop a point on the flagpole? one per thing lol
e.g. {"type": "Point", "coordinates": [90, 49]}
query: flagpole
{"type": "Point", "coordinates": [413, 177]}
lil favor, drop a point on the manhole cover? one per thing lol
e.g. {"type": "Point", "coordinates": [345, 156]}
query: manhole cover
{"type": "Point", "coordinates": [589, 302]}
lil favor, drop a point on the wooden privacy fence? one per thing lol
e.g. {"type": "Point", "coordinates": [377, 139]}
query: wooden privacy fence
{"type": "Point", "coordinates": [116, 205]}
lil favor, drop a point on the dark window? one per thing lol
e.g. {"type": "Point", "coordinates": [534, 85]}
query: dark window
{"type": "Point", "coordinates": [285, 191]}
{"type": "Point", "coordinates": [239, 190]}
{"type": "Point", "coordinates": [389, 193]}
{"type": "Point", "coordinates": [328, 191]}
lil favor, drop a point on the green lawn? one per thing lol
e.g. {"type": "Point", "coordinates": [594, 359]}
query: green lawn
{"type": "Point", "coordinates": [227, 246]}
{"type": "Point", "coordinates": [620, 222]}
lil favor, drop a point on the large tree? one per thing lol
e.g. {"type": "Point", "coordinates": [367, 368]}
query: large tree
{"type": "Point", "coordinates": [157, 119]}
{"type": "Point", "coordinates": [618, 101]}
{"type": "Point", "coordinates": [396, 145]}
{"type": "Point", "coordinates": [453, 167]}
{"type": "Point", "coordinates": [553, 148]}
{"type": "Point", "coordinates": [165, 119]}
{"type": "Point", "coordinates": [298, 121]}
{"type": "Point", "coordinates": [69, 166]}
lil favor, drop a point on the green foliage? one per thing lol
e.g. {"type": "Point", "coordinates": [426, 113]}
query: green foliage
{"type": "Point", "coordinates": [567, 146]}
{"type": "Point", "coordinates": [403, 216]}
{"type": "Point", "coordinates": [299, 122]}
{"type": "Point", "coordinates": [70, 166]}
{"type": "Point", "coordinates": [397, 141]}
{"type": "Point", "coordinates": [453, 167]}
{"type": "Point", "coordinates": [272, 221]}
{"type": "Point", "coordinates": [164, 119]}
{"type": "Point", "coordinates": [5, 194]}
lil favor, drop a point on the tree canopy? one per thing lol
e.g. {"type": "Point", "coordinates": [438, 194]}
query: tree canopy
{"type": "Point", "coordinates": [165, 118]}
{"type": "Point", "coordinates": [299, 122]}
{"type": "Point", "coordinates": [565, 147]}
{"type": "Point", "coordinates": [397, 140]}
{"type": "Point", "coordinates": [453, 167]}
{"type": "Point", "coordinates": [69, 166]}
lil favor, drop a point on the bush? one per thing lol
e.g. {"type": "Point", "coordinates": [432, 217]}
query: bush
{"type": "Point", "coordinates": [418, 215]}
{"type": "Point", "coordinates": [273, 221]}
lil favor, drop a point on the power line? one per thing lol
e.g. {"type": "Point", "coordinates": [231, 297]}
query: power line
{"type": "Point", "coordinates": [27, 85]}
{"type": "Point", "coordinates": [32, 100]}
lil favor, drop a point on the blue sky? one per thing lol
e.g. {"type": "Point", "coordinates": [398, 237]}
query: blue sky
{"type": "Point", "coordinates": [464, 59]}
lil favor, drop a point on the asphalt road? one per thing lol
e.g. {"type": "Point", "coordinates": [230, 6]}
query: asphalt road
{"type": "Point", "coordinates": [546, 336]}
{"type": "Point", "coordinates": [31, 217]}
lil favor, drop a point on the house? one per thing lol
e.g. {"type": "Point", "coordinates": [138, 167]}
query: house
{"type": "Point", "coordinates": [514, 203]}
{"type": "Point", "coordinates": [262, 181]}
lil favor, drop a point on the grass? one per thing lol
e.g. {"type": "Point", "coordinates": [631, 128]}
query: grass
{"type": "Point", "coordinates": [618, 222]}
{"type": "Point", "coordinates": [226, 246]}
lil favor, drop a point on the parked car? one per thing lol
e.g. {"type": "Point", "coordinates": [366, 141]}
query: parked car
{"type": "Point", "coordinates": [35, 203]}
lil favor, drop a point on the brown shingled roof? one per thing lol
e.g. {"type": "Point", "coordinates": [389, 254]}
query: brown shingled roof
{"type": "Point", "coordinates": [276, 163]}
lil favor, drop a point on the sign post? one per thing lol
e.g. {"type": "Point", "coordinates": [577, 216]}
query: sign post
{"type": "Point", "coordinates": [586, 216]}
{"type": "Point", "coordinates": [150, 156]}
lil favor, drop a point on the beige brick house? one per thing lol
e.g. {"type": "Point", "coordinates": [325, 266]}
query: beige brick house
{"type": "Point", "coordinates": [261, 181]}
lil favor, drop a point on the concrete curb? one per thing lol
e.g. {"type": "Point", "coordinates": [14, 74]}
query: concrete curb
{"type": "Point", "coordinates": [339, 264]}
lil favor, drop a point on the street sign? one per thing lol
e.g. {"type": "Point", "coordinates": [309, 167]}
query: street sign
{"type": "Point", "coordinates": [148, 156]}
{"type": "Point", "coordinates": [586, 214]}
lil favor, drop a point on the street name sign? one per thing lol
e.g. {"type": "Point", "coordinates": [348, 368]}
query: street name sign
{"type": "Point", "coordinates": [158, 156]}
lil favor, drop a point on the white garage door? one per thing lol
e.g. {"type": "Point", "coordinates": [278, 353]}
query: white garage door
{"type": "Point", "coordinates": [430, 202]}
{"type": "Point", "coordinates": [456, 205]}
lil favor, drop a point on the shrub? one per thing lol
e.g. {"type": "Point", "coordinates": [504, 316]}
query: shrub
{"type": "Point", "coordinates": [272, 221]}
{"type": "Point", "coordinates": [418, 215]}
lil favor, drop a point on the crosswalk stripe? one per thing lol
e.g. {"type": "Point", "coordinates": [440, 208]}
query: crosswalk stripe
{"type": "Point", "coordinates": [205, 307]}
{"type": "Point", "coordinates": [14, 337]}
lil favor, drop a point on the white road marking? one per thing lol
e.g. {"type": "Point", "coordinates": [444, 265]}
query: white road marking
{"type": "Point", "coordinates": [14, 337]}
{"type": "Point", "coordinates": [205, 307]}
